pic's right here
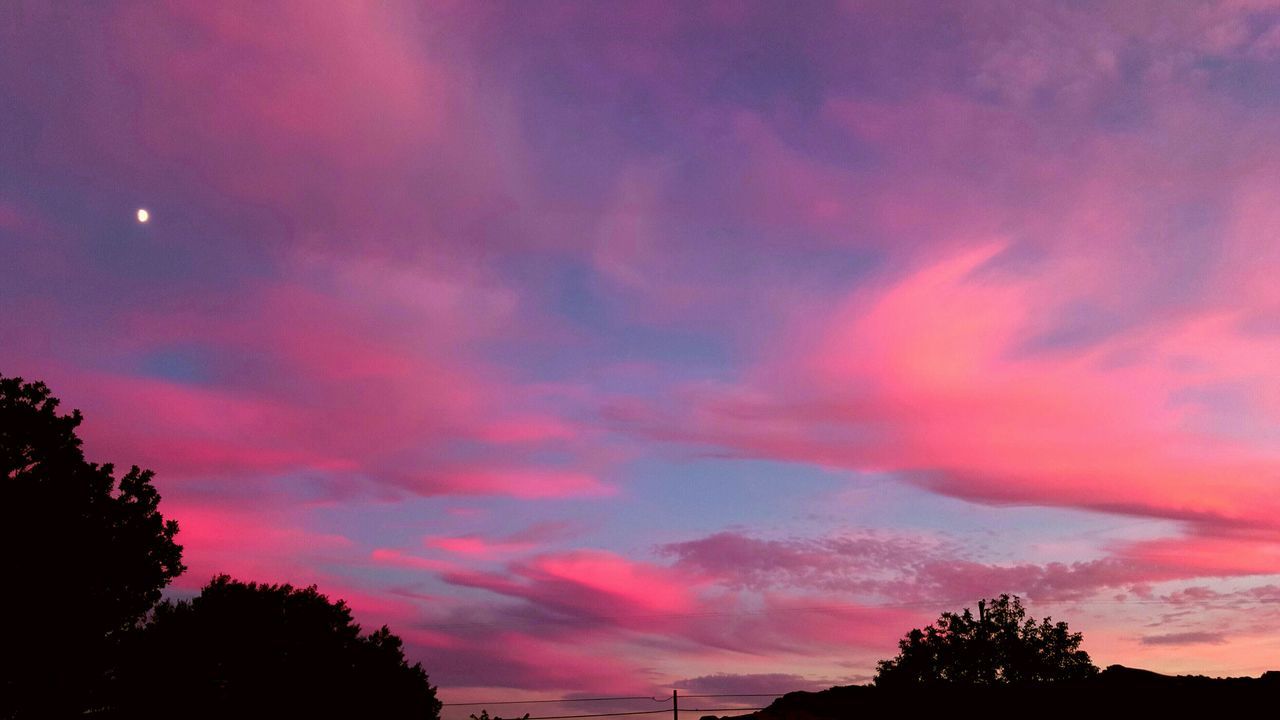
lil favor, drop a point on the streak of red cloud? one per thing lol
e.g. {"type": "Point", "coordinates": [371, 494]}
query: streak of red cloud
{"type": "Point", "coordinates": [930, 377]}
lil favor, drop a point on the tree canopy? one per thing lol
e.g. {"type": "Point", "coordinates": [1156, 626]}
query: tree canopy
{"type": "Point", "coordinates": [85, 557]}
{"type": "Point", "coordinates": [263, 650]}
{"type": "Point", "coordinates": [1001, 645]}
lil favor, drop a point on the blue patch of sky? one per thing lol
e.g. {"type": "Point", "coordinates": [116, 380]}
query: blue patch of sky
{"type": "Point", "coordinates": [186, 364]}
{"type": "Point", "coordinates": [603, 332]}
{"type": "Point", "coordinates": [1077, 325]}
{"type": "Point", "coordinates": [1184, 245]}
{"type": "Point", "coordinates": [659, 499]}
{"type": "Point", "coordinates": [671, 498]}
{"type": "Point", "coordinates": [579, 137]}
{"type": "Point", "coordinates": [1017, 258]}
{"type": "Point", "coordinates": [403, 525]}
{"type": "Point", "coordinates": [766, 71]}
{"type": "Point", "coordinates": [830, 144]}
{"type": "Point", "coordinates": [185, 246]}
{"type": "Point", "coordinates": [1124, 108]}
{"type": "Point", "coordinates": [1118, 105]}
{"type": "Point", "coordinates": [1249, 81]}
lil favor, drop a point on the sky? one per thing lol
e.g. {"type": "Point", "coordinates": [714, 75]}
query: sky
{"type": "Point", "coordinates": [611, 347]}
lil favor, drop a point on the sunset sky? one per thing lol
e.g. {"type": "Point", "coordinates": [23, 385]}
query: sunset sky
{"type": "Point", "coordinates": [611, 347]}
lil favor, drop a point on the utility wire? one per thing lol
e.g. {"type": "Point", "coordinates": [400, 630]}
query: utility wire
{"type": "Point", "coordinates": [562, 700]}
{"type": "Point", "coordinates": [566, 717]}
{"type": "Point", "coordinates": [614, 697]}
{"type": "Point", "coordinates": [620, 697]}
{"type": "Point", "coordinates": [731, 695]}
{"type": "Point", "coordinates": [638, 712]}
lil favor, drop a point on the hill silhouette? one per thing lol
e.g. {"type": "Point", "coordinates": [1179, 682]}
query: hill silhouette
{"type": "Point", "coordinates": [1117, 692]}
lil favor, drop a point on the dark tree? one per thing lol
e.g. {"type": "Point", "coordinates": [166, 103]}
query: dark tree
{"type": "Point", "coordinates": [84, 558]}
{"type": "Point", "coordinates": [1001, 645]}
{"type": "Point", "coordinates": [255, 650]}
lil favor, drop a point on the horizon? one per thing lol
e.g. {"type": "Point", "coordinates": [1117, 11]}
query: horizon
{"type": "Point", "coordinates": [605, 348]}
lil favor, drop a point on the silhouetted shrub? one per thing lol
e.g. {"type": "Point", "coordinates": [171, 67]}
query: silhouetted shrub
{"type": "Point", "coordinates": [256, 650]}
{"type": "Point", "coordinates": [1002, 645]}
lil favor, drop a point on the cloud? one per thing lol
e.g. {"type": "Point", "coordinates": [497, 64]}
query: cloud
{"type": "Point", "coordinates": [926, 572]}
{"type": "Point", "coordinates": [589, 583]}
{"type": "Point", "coordinates": [326, 373]}
{"type": "Point", "coordinates": [847, 563]}
{"type": "Point", "coordinates": [479, 546]}
{"type": "Point", "coordinates": [264, 545]}
{"type": "Point", "coordinates": [753, 683]}
{"type": "Point", "coordinates": [928, 376]}
{"type": "Point", "coordinates": [1185, 638]}
{"type": "Point", "coordinates": [403, 257]}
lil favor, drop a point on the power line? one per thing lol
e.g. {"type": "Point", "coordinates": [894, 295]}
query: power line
{"type": "Point", "coordinates": [566, 717]}
{"type": "Point", "coordinates": [622, 697]}
{"type": "Point", "coordinates": [641, 712]}
{"type": "Point", "coordinates": [562, 700]}
{"type": "Point", "coordinates": [733, 695]}
{"type": "Point", "coordinates": [600, 700]}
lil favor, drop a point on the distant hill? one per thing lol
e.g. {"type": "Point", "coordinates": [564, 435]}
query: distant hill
{"type": "Point", "coordinates": [1117, 692]}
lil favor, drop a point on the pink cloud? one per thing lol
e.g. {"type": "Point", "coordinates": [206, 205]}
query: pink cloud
{"type": "Point", "coordinates": [590, 594]}
{"type": "Point", "coordinates": [479, 546]}
{"type": "Point", "coordinates": [1184, 638]}
{"type": "Point", "coordinates": [199, 430]}
{"type": "Point", "coordinates": [755, 683]}
{"type": "Point", "coordinates": [591, 583]}
{"type": "Point", "coordinates": [923, 572]}
{"type": "Point", "coordinates": [283, 360]}
{"type": "Point", "coordinates": [1064, 296]}
{"type": "Point", "coordinates": [476, 546]}
{"type": "Point", "coordinates": [342, 90]}
{"type": "Point", "coordinates": [930, 376]}
{"type": "Point", "coordinates": [389, 556]}
{"type": "Point", "coordinates": [1210, 556]}
{"type": "Point", "coordinates": [590, 604]}
{"type": "Point", "coordinates": [271, 547]}
{"type": "Point", "coordinates": [516, 660]}
{"type": "Point", "coordinates": [846, 563]}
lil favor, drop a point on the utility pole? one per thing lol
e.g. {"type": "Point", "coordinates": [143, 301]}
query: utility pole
{"type": "Point", "coordinates": [675, 704]}
{"type": "Point", "coordinates": [984, 649]}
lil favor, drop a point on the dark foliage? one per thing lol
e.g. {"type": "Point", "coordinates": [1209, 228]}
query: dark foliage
{"type": "Point", "coordinates": [84, 558]}
{"type": "Point", "coordinates": [1002, 645]}
{"type": "Point", "coordinates": [250, 650]}
{"type": "Point", "coordinates": [1117, 692]}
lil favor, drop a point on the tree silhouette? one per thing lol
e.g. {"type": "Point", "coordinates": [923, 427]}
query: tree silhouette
{"type": "Point", "coordinates": [84, 558]}
{"type": "Point", "coordinates": [1000, 646]}
{"type": "Point", "coordinates": [247, 649]}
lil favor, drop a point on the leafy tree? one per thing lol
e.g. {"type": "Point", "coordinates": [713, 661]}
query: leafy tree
{"type": "Point", "coordinates": [84, 558]}
{"type": "Point", "coordinates": [484, 715]}
{"type": "Point", "coordinates": [1001, 645]}
{"type": "Point", "coordinates": [247, 649]}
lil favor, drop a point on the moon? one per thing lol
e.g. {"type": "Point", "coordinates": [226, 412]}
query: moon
{"type": "Point", "coordinates": [143, 215]}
